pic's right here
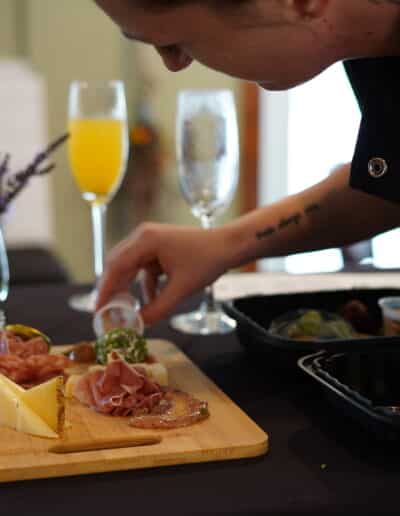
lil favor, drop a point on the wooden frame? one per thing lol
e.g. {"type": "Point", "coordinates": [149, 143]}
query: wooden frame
{"type": "Point", "coordinates": [250, 153]}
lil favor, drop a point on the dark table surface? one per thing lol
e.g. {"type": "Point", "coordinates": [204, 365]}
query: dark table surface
{"type": "Point", "coordinates": [35, 266]}
{"type": "Point", "coordinates": [318, 463]}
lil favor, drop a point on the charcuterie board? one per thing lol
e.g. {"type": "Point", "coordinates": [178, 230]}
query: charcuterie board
{"type": "Point", "coordinates": [94, 443]}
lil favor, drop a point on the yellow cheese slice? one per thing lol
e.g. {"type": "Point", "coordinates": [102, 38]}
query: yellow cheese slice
{"type": "Point", "coordinates": [8, 407]}
{"type": "Point", "coordinates": [30, 423]}
{"type": "Point", "coordinates": [16, 389]}
{"type": "Point", "coordinates": [47, 401]}
{"type": "Point", "coordinates": [15, 414]}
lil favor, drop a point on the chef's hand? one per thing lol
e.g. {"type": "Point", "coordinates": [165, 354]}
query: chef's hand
{"type": "Point", "coordinates": [190, 258]}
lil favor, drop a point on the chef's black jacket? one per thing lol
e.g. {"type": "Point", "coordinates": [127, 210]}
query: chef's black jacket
{"type": "Point", "coordinates": [376, 163]}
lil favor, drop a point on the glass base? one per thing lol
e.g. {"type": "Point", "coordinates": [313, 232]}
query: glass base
{"type": "Point", "coordinates": [84, 302]}
{"type": "Point", "coordinates": [200, 322]}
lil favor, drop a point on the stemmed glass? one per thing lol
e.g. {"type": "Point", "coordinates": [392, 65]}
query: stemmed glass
{"type": "Point", "coordinates": [98, 151]}
{"type": "Point", "coordinates": [208, 159]}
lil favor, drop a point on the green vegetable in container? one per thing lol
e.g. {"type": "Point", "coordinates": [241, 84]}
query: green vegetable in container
{"type": "Point", "coordinates": [301, 324]}
{"type": "Point", "coordinates": [126, 342]}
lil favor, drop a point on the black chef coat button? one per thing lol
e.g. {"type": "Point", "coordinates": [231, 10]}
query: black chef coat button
{"type": "Point", "coordinates": [377, 167]}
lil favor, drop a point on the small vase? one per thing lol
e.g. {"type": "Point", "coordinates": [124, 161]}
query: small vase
{"type": "Point", "coordinates": [4, 269]}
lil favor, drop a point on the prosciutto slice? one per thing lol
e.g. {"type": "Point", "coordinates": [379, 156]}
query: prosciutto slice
{"type": "Point", "coordinates": [118, 390]}
{"type": "Point", "coordinates": [177, 409]}
{"type": "Point", "coordinates": [125, 390]}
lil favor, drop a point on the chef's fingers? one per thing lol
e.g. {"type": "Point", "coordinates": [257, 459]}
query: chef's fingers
{"type": "Point", "coordinates": [149, 278]}
{"type": "Point", "coordinates": [172, 293]}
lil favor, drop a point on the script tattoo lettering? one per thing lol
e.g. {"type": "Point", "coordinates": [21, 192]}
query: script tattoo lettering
{"type": "Point", "coordinates": [266, 233]}
{"type": "Point", "coordinates": [288, 221]}
{"type": "Point", "coordinates": [294, 219]}
{"type": "Point", "coordinates": [311, 208]}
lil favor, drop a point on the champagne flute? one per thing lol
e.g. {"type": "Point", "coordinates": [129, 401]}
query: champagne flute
{"type": "Point", "coordinates": [208, 159]}
{"type": "Point", "coordinates": [98, 151]}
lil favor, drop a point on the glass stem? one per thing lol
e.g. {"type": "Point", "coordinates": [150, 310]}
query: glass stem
{"type": "Point", "coordinates": [98, 221]}
{"type": "Point", "coordinates": [208, 304]}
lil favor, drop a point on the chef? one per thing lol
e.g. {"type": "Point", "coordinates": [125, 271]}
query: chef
{"type": "Point", "coordinates": [278, 44]}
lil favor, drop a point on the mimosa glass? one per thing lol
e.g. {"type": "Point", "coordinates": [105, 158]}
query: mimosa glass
{"type": "Point", "coordinates": [98, 152]}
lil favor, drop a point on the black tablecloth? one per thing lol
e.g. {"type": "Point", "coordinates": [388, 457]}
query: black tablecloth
{"type": "Point", "coordinates": [318, 463]}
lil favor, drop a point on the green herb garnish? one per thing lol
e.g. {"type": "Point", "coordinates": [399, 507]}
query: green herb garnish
{"type": "Point", "coordinates": [129, 345]}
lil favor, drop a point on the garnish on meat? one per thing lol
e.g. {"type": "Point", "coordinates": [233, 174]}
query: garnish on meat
{"type": "Point", "coordinates": [130, 346]}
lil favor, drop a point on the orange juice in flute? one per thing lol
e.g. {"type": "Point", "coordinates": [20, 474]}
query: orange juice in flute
{"type": "Point", "coordinates": [98, 149]}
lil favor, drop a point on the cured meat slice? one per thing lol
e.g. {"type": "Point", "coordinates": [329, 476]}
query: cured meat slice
{"type": "Point", "coordinates": [118, 390]}
{"type": "Point", "coordinates": [121, 389]}
{"type": "Point", "coordinates": [34, 369]}
{"type": "Point", "coordinates": [14, 368]}
{"type": "Point", "coordinates": [176, 410]}
{"type": "Point", "coordinates": [15, 345]}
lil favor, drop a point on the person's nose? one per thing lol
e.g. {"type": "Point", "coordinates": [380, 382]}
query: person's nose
{"type": "Point", "coordinates": [175, 59]}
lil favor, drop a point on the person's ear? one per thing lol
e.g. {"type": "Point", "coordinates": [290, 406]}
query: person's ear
{"type": "Point", "coordinates": [308, 9]}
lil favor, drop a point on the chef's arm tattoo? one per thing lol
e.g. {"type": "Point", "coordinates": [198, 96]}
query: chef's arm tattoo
{"type": "Point", "coordinates": [290, 220]}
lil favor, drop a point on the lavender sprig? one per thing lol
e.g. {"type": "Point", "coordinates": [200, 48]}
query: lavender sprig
{"type": "Point", "coordinates": [19, 180]}
{"type": "Point", "coordinates": [4, 165]}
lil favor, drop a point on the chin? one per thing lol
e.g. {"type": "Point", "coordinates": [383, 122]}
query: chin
{"type": "Point", "coordinates": [294, 77]}
{"type": "Point", "coordinates": [278, 85]}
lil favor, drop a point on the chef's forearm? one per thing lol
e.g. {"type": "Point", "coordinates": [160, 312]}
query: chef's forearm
{"type": "Point", "coordinates": [329, 214]}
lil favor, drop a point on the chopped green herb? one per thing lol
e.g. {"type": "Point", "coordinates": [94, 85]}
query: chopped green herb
{"type": "Point", "coordinates": [131, 346]}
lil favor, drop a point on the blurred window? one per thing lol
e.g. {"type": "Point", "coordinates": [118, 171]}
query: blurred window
{"type": "Point", "coordinates": [305, 133]}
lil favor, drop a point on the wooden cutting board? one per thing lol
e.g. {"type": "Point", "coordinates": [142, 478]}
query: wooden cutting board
{"type": "Point", "coordinates": [227, 434]}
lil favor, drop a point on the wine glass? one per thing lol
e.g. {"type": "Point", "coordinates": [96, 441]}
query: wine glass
{"type": "Point", "coordinates": [208, 159]}
{"type": "Point", "coordinates": [98, 151]}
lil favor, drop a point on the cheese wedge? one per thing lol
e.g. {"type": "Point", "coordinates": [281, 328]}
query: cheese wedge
{"type": "Point", "coordinates": [16, 389]}
{"type": "Point", "coordinates": [15, 414]}
{"type": "Point", "coordinates": [8, 407]}
{"type": "Point", "coordinates": [30, 423]}
{"type": "Point", "coordinates": [45, 403]}
{"type": "Point", "coordinates": [47, 400]}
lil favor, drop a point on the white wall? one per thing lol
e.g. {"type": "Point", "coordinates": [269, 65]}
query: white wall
{"type": "Point", "coordinates": [23, 133]}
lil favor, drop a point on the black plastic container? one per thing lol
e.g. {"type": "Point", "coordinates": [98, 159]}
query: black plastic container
{"type": "Point", "coordinates": [255, 313]}
{"type": "Point", "coordinates": [363, 386]}
{"type": "Point", "coordinates": [360, 377]}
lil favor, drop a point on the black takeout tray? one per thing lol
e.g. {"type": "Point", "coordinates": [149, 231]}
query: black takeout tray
{"type": "Point", "coordinates": [255, 313]}
{"type": "Point", "coordinates": [363, 386]}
